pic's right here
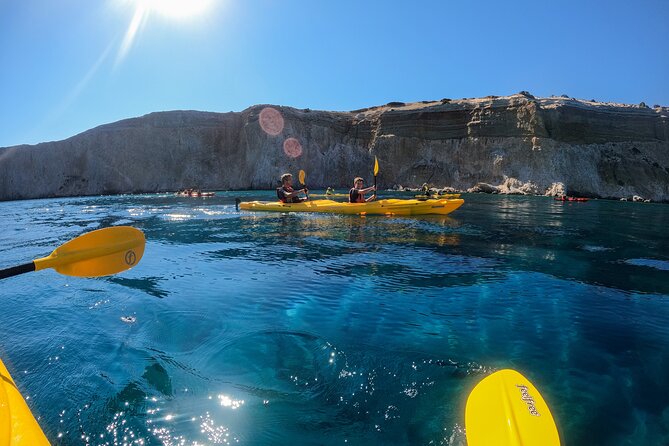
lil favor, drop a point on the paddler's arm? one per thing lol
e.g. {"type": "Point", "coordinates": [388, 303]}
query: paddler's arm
{"type": "Point", "coordinates": [295, 193]}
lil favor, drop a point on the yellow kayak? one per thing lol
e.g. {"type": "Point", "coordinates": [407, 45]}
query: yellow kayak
{"type": "Point", "coordinates": [18, 427]}
{"type": "Point", "coordinates": [423, 196]}
{"type": "Point", "coordinates": [379, 207]}
{"type": "Point", "coordinates": [329, 195]}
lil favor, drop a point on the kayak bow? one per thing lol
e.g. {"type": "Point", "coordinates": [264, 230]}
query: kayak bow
{"type": "Point", "coordinates": [18, 426]}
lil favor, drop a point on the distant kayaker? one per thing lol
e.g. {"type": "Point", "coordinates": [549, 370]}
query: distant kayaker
{"type": "Point", "coordinates": [286, 193]}
{"type": "Point", "coordinates": [425, 190]}
{"type": "Point", "coordinates": [358, 191]}
{"type": "Point", "coordinates": [330, 191]}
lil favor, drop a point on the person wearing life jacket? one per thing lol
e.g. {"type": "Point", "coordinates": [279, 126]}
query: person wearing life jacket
{"type": "Point", "coordinates": [330, 191]}
{"type": "Point", "coordinates": [286, 193]}
{"type": "Point", "coordinates": [358, 191]}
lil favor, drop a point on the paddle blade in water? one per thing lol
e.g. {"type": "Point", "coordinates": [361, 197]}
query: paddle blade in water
{"type": "Point", "coordinates": [505, 409]}
{"type": "Point", "coordinates": [376, 166]}
{"type": "Point", "coordinates": [301, 176]}
{"type": "Point", "coordinates": [98, 253]}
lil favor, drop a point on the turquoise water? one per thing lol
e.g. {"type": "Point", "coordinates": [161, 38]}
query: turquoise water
{"type": "Point", "coordinates": [241, 328]}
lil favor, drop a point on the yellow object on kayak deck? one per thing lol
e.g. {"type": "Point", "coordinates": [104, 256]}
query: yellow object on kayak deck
{"type": "Point", "coordinates": [18, 426]}
{"type": "Point", "coordinates": [379, 207]}
{"type": "Point", "coordinates": [505, 409]}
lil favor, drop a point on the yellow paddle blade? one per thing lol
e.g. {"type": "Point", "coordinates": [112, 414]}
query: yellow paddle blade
{"type": "Point", "coordinates": [505, 409]}
{"type": "Point", "coordinates": [97, 253]}
{"type": "Point", "coordinates": [376, 166]}
{"type": "Point", "coordinates": [301, 176]}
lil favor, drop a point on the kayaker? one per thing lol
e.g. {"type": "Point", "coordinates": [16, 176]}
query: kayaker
{"type": "Point", "coordinates": [358, 191]}
{"type": "Point", "coordinates": [330, 191]}
{"type": "Point", "coordinates": [425, 190]}
{"type": "Point", "coordinates": [286, 193]}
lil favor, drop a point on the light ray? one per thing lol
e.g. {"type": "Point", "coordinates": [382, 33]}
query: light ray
{"type": "Point", "coordinates": [138, 20]}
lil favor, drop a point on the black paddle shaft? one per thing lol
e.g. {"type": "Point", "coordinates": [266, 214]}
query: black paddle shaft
{"type": "Point", "coordinates": [16, 270]}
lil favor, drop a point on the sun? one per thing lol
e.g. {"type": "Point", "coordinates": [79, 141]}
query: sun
{"type": "Point", "coordinates": [175, 9]}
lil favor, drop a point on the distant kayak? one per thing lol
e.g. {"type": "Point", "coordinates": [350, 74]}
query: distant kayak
{"type": "Point", "coordinates": [379, 207]}
{"type": "Point", "coordinates": [196, 194]}
{"type": "Point", "coordinates": [17, 424]}
{"type": "Point", "coordinates": [570, 199]}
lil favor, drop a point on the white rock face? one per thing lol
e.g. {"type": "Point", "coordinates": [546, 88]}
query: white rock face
{"type": "Point", "coordinates": [515, 144]}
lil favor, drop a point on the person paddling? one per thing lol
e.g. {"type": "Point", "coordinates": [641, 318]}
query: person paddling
{"type": "Point", "coordinates": [358, 191]}
{"type": "Point", "coordinates": [286, 193]}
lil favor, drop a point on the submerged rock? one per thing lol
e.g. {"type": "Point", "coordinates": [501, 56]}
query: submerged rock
{"type": "Point", "coordinates": [520, 143]}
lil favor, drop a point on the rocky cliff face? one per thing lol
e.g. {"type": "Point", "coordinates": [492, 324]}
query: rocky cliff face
{"type": "Point", "coordinates": [524, 144]}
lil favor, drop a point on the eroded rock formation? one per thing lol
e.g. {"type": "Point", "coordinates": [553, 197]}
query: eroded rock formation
{"type": "Point", "coordinates": [518, 144]}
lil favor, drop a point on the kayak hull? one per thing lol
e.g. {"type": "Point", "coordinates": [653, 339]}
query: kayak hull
{"type": "Point", "coordinates": [379, 207]}
{"type": "Point", "coordinates": [329, 195]}
{"type": "Point", "coordinates": [17, 424]}
{"type": "Point", "coordinates": [440, 196]}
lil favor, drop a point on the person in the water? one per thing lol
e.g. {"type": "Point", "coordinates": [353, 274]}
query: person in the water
{"type": "Point", "coordinates": [286, 193]}
{"type": "Point", "coordinates": [358, 191]}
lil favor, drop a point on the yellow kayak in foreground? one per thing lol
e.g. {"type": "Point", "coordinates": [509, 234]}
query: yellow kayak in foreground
{"type": "Point", "coordinates": [18, 427]}
{"type": "Point", "coordinates": [379, 207]}
{"type": "Point", "coordinates": [505, 409]}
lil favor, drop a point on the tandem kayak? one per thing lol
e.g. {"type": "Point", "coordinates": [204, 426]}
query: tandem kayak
{"type": "Point", "coordinates": [379, 207]}
{"type": "Point", "coordinates": [17, 424]}
{"type": "Point", "coordinates": [329, 195]}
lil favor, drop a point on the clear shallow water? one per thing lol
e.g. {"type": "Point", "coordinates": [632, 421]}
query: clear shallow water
{"type": "Point", "coordinates": [241, 328]}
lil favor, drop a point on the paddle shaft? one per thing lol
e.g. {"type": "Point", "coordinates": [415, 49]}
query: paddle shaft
{"type": "Point", "coordinates": [304, 185]}
{"type": "Point", "coordinates": [16, 270]}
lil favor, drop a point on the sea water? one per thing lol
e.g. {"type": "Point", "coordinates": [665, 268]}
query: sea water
{"type": "Point", "coordinates": [268, 328]}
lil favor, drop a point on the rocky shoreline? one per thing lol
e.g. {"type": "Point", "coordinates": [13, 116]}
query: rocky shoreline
{"type": "Point", "coordinates": [515, 144]}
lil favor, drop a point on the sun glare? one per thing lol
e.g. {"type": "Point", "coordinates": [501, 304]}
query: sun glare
{"type": "Point", "coordinates": [175, 9]}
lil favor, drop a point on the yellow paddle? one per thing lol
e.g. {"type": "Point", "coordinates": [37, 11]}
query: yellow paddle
{"type": "Point", "coordinates": [505, 409]}
{"type": "Point", "coordinates": [376, 172]}
{"type": "Point", "coordinates": [301, 175]}
{"type": "Point", "coordinates": [97, 253]}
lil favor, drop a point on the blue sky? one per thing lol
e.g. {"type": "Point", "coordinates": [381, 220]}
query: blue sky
{"type": "Point", "coordinates": [63, 69]}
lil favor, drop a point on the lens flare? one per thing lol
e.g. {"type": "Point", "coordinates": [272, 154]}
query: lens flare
{"type": "Point", "coordinates": [292, 148]}
{"type": "Point", "coordinates": [271, 121]}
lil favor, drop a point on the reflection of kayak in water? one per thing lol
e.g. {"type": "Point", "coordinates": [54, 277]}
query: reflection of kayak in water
{"type": "Point", "coordinates": [329, 195]}
{"type": "Point", "coordinates": [379, 207]}
{"type": "Point", "coordinates": [434, 196]}
{"type": "Point", "coordinates": [570, 199]}
{"type": "Point", "coordinates": [17, 423]}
